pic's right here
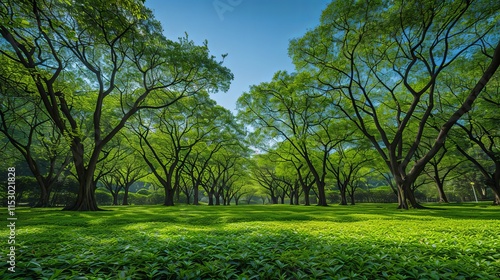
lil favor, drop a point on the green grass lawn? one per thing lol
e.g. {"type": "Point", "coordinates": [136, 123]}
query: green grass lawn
{"type": "Point", "coordinates": [367, 241]}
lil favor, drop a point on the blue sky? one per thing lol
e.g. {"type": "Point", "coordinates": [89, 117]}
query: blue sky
{"type": "Point", "coordinates": [254, 33]}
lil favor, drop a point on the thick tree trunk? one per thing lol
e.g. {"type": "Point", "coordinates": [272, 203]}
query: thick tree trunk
{"type": "Point", "coordinates": [343, 194]}
{"type": "Point", "coordinates": [496, 201]}
{"type": "Point", "coordinates": [496, 184]}
{"type": "Point", "coordinates": [307, 199]}
{"type": "Point", "coordinates": [217, 198]}
{"type": "Point", "coordinates": [274, 199]}
{"type": "Point", "coordinates": [406, 197]}
{"type": "Point", "coordinates": [410, 195]}
{"type": "Point", "coordinates": [125, 195]}
{"type": "Point", "coordinates": [85, 200]}
{"type": "Point", "coordinates": [402, 203]}
{"type": "Point", "coordinates": [321, 194]}
{"type": "Point", "coordinates": [115, 198]}
{"type": "Point", "coordinates": [169, 196]}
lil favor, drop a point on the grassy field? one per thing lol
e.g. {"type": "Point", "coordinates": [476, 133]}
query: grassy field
{"type": "Point", "coordinates": [368, 241]}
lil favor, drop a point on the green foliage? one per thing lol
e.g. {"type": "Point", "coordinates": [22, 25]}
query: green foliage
{"type": "Point", "coordinates": [103, 197]}
{"type": "Point", "coordinates": [90, 66]}
{"type": "Point", "coordinates": [399, 71]}
{"type": "Point", "coordinates": [258, 242]}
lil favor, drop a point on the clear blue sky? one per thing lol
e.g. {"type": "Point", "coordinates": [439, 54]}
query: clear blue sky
{"type": "Point", "coordinates": [254, 33]}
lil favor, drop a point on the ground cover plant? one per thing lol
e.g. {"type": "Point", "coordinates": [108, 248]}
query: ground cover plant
{"type": "Point", "coordinates": [367, 241]}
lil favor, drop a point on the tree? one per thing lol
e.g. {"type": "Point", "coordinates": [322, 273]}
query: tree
{"type": "Point", "coordinates": [29, 130]}
{"type": "Point", "coordinates": [129, 172]}
{"type": "Point", "coordinates": [289, 109]}
{"type": "Point", "coordinates": [481, 128]}
{"type": "Point", "coordinates": [263, 172]}
{"type": "Point", "coordinates": [222, 173]}
{"type": "Point", "coordinates": [168, 137]}
{"type": "Point", "coordinates": [227, 135]}
{"type": "Point", "coordinates": [441, 167]}
{"type": "Point", "coordinates": [197, 164]}
{"type": "Point", "coordinates": [382, 65]}
{"type": "Point", "coordinates": [93, 53]}
{"type": "Point", "coordinates": [346, 164]}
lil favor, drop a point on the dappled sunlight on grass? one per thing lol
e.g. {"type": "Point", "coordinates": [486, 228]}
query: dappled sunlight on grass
{"type": "Point", "coordinates": [217, 242]}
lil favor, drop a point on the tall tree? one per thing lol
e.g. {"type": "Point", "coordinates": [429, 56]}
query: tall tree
{"type": "Point", "coordinates": [289, 109]}
{"type": "Point", "coordinates": [228, 135]}
{"type": "Point", "coordinates": [345, 164]}
{"type": "Point", "coordinates": [440, 168]}
{"type": "Point", "coordinates": [382, 64]}
{"type": "Point", "coordinates": [168, 137]}
{"type": "Point", "coordinates": [264, 173]}
{"type": "Point", "coordinates": [100, 47]}
{"type": "Point", "coordinates": [481, 128]}
{"type": "Point", "coordinates": [30, 131]}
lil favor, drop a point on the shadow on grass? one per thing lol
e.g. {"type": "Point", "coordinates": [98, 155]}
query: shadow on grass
{"type": "Point", "coordinates": [189, 215]}
{"type": "Point", "coordinates": [272, 241]}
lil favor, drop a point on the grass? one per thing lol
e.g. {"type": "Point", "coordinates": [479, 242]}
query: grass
{"type": "Point", "coordinates": [367, 241]}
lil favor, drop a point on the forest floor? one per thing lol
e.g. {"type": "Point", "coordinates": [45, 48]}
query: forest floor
{"type": "Point", "coordinates": [365, 241]}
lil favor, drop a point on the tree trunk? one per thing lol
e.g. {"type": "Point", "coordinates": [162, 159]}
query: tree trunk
{"type": "Point", "coordinates": [405, 193]}
{"type": "Point", "coordinates": [125, 195]}
{"type": "Point", "coordinates": [343, 195]}
{"type": "Point", "coordinates": [496, 201]}
{"type": "Point", "coordinates": [217, 198]}
{"type": "Point", "coordinates": [188, 198]}
{"type": "Point", "coordinates": [495, 184]}
{"type": "Point", "coordinates": [210, 198]}
{"type": "Point", "coordinates": [115, 198]}
{"type": "Point", "coordinates": [321, 194]}
{"type": "Point", "coordinates": [440, 189]}
{"type": "Point", "coordinates": [43, 201]}
{"type": "Point", "coordinates": [402, 203]}
{"type": "Point", "coordinates": [169, 196]}
{"type": "Point", "coordinates": [439, 184]}
{"type": "Point", "coordinates": [195, 194]}
{"type": "Point", "coordinates": [85, 200]}
{"type": "Point", "coordinates": [274, 199]}
{"type": "Point", "coordinates": [307, 199]}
